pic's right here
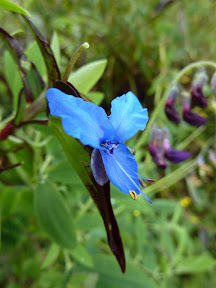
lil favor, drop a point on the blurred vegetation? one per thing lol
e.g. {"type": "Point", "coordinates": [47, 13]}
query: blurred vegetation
{"type": "Point", "coordinates": [169, 244]}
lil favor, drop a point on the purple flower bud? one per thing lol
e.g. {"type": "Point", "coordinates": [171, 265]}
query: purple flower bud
{"type": "Point", "coordinates": [176, 156]}
{"type": "Point", "coordinates": [170, 110]}
{"type": "Point", "coordinates": [198, 98]}
{"type": "Point", "coordinates": [157, 155]}
{"type": "Point", "coordinates": [213, 83]}
{"type": "Point", "coordinates": [191, 117]}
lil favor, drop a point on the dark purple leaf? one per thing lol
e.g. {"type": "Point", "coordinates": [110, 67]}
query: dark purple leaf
{"type": "Point", "coordinates": [7, 130]}
{"type": "Point", "coordinates": [49, 59]}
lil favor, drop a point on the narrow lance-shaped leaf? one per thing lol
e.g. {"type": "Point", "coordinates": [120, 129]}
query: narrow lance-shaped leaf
{"type": "Point", "coordinates": [13, 7]}
{"type": "Point", "coordinates": [49, 59]}
{"type": "Point", "coordinates": [21, 107]}
{"type": "Point", "coordinates": [32, 81]}
{"type": "Point", "coordinates": [55, 46]}
{"type": "Point", "coordinates": [88, 75]}
{"type": "Point", "coordinates": [4, 81]}
{"type": "Point", "coordinates": [53, 215]}
{"type": "Point", "coordinates": [80, 157]}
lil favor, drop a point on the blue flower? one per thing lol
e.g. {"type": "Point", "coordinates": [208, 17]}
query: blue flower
{"type": "Point", "coordinates": [111, 159]}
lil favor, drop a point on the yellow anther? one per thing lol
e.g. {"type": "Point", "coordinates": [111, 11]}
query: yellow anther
{"type": "Point", "coordinates": [142, 183]}
{"type": "Point", "coordinates": [133, 194]}
{"type": "Point", "coordinates": [149, 180]}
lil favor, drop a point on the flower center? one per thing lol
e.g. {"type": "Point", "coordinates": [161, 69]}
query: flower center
{"type": "Point", "coordinates": [110, 145]}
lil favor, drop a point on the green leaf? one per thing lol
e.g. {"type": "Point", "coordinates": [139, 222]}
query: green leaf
{"type": "Point", "coordinates": [81, 255]}
{"type": "Point", "coordinates": [46, 51]}
{"type": "Point", "coordinates": [13, 7]}
{"type": "Point", "coordinates": [96, 97]}
{"type": "Point", "coordinates": [9, 198]}
{"type": "Point", "coordinates": [21, 107]}
{"type": "Point", "coordinates": [56, 48]}
{"type": "Point", "coordinates": [13, 77]}
{"type": "Point", "coordinates": [88, 75]}
{"type": "Point", "coordinates": [53, 215]}
{"type": "Point", "coordinates": [34, 54]}
{"type": "Point", "coordinates": [195, 264]}
{"type": "Point", "coordinates": [51, 256]}
{"type": "Point", "coordinates": [111, 276]}
{"type": "Point", "coordinates": [32, 81]}
{"type": "Point", "coordinates": [165, 206]}
{"type": "Point", "coordinates": [63, 172]}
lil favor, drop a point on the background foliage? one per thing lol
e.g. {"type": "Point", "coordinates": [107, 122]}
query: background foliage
{"type": "Point", "coordinates": [142, 46]}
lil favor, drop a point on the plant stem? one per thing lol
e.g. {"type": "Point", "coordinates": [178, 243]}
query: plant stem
{"type": "Point", "coordinates": [74, 59]}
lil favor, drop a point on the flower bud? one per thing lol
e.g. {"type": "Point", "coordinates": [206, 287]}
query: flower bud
{"type": "Point", "coordinates": [191, 117]}
{"type": "Point", "coordinates": [155, 148]}
{"type": "Point", "coordinates": [176, 156]}
{"type": "Point", "coordinates": [197, 96]}
{"type": "Point", "coordinates": [171, 154]}
{"type": "Point", "coordinates": [170, 110]}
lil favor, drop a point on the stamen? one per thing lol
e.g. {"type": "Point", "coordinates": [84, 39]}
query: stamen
{"type": "Point", "coordinates": [110, 145]}
{"type": "Point", "coordinates": [133, 194]}
{"type": "Point", "coordinates": [142, 183]}
{"type": "Point", "coordinates": [149, 180]}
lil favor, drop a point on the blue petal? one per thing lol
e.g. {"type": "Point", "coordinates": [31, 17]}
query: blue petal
{"type": "Point", "coordinates": [127, 116]}
{"type": "Point", "coordinates": [97, 168]}
{"type": "Point", "coordinates": [80, 119]}
{"type": "Point", "coordinates": [122, 170]}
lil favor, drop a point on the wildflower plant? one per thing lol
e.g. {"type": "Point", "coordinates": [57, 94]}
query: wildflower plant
{"type": "Point", "coordinates": [58, 146]}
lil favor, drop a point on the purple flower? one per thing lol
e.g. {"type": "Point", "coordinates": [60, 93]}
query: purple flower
{"type": "Point", "coordinates": [110, 159]}
{"type": "Point", "coordinates": [191, 117]}
{"type": "Point", "coordinates": [173, 155]}
{"type": "Point", "coordinates": [170, 109]}
{"type": "Point", "coordinates": [157, 155]}
{"type": "Point", "coordinates": [197, 96]}
{"type": "Point", "coordinates": [161, 150]}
